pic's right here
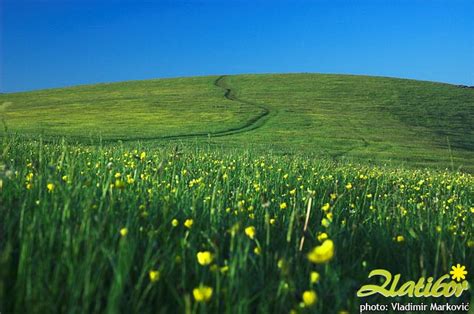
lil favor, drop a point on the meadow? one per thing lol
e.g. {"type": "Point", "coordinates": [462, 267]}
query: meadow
{"type": "Point", "coordinates": [93, 229]}
{"type": "Point", "coordinates": [232, 194]}
{"type": "Point", "coordinates": [373, 119]}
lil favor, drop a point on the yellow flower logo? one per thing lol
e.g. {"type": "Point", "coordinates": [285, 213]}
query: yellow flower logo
{"type": "Point", "coordinates": [458, 272]}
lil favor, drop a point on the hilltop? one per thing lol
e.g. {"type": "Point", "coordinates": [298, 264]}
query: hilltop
{"type": "Point", "coordinates": [358, 117]}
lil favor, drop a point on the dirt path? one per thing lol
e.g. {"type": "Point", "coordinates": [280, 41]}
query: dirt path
{"type": "Point", "coordinates": [251, 124]}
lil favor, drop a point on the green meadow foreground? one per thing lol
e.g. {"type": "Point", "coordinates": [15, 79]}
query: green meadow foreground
{"type": "Point", "coordinates": [93, 229]}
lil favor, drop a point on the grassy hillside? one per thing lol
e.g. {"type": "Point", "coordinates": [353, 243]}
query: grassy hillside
{"type": "Point", "coordinates": [369, 118]}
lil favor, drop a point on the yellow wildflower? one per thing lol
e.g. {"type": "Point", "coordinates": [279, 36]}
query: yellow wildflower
{"type": "Point", "coordinates": [204, 258]}
{"type": "Point", "coordinates": [400, 238]}
{"type": "Point", "coordinates": [202, 293]}
{"type": "Point", "coordinates": [323, 253]}
{"type": "Point", "coordinates": [224, 269]}
{"type": "Point", "coordinates": [283, 205]}
{"type": "Point", "coordinates": [322, 236]}
{"type": "Point", "coordinates": [326, 207]}
{"type": "Point", "coordinates": [154, 275]}
{"type": "Point", "coordinates": [188, 223]}
{"type": "Point", "coordinates": [325, 222]}
{"type": "Point", "coordinates": [257, 250]}
{"type": "Point", "coordinates": [50, 187]}
{"type": "Point", "coordinates": [314, 276]}
{"type": "Point", "coordinates": [123, 232]}
{"type": "Point", "coordinates": [349, 186]}
{"type": "Point", "coordinates": [309, 298]}
{"type": "Point", "coordinates": [174, 222]}
{"type": "Point", "coordinates": [250, 232]}
{"type": "Point", "coordinates": [119, 184]}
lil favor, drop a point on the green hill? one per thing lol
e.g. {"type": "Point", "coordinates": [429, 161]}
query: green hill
{"type": "Point", "coordinates": [360, 117]}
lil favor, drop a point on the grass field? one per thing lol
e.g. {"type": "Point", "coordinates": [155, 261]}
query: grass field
{"type": "Point", "coordinates": [84, 228]}
{"type": "Point", "coordinates": [333, 116]}
{"type": "Point", "coordinates": [232, 194]}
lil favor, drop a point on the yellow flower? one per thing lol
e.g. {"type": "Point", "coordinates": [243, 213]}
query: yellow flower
{"type": "Point", "coordinates": [349, 186]}
{"type": "Point", "coordinates": [224, 269]}
{"type": "Point", "coordinates": [119, 184]}
{"type": "Point", "coordinates": [174, 222]}
{"type": "Point", "coordinates": [281, 263]}
{"type": "Point", "coordinates": [257, 250]}
{"type": "Point", "coordinates": [154, 275]}
{"type": "Point", "coordinates": [458, 272]}
{"type": "Point", "coordinates": [323, 253]}
{"type": "Point", "coordinates": [322, 236]}
{"type": "Point", "coordinates": [326, 207]}
{"type": "Point", "coordinates": [310, 298]}
{"type": "Point", "coordinates": [400, 238]}
{"type": "Point", "coordinates": [314, 276]}
{"type": "Point", "coordinates": [50, 187]}
{"type": "Point", "coordinates": [250, 232]}
{"type": "Point", "coordinates": [188, 223]}
{"type": "Point", "coordinates": [204, 258]}
{"type": "Point", "coordinates": [123, 232]}
{"type": "Point", "coordinates": [283, 205]}
{"type": "Point", "coordinates": [202, 293]}
{"type": "Point", "coordinates": [333, 196]}
{"type": "Point", "coordinates": [293, 192]}
{"type": "Point", "coordinates": [142, 156]}
{"type": "Point", "coordinates": [272, 221]}
{"type": "Point", "coordinates": [325, 222]}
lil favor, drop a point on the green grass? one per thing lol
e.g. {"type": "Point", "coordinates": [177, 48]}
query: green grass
{"type": "Point", "coordinates": [62, 251]}
{"type": "Point", "coordinates": [80, 165]}
{"type": "Point", "coordinates": [338, 116]}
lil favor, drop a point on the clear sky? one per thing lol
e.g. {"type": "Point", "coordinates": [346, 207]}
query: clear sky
{"type": "Point", "coordinates": [55, 43]}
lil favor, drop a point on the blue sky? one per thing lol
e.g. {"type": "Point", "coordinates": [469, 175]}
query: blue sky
{"type": "Point", "coordinates": [61, 43]}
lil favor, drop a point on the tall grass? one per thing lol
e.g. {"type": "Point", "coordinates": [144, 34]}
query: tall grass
{"type": "Point", "coordinates": [82, 227]}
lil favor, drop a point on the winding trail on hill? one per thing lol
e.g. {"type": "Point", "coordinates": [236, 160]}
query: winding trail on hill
{"type": "Point", "coordinates": [252, 124]}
